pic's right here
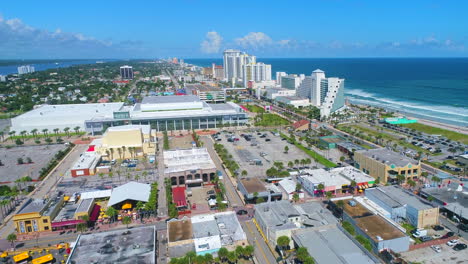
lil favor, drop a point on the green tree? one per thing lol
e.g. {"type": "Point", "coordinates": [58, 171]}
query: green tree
{"type": "Point", "coordinates": [248, 251]}
{"type": "Point", "coordinates": [286, 149]}
{"type": "Point", "coordinates": [329, 195]}
{"type": "Point", "coordinates": [295, 197]}
{"type": "Point", "coordinates": [222, 253]}
{"type": "Point", "coordinates": [283, 242]}
{"type": "Point", "coordinates": [348, 227]}
{"type": "Point", "coordinates": [111, 212]}
{"type": "Point", "coordinates": [232, 257]}
{"type": "Point", "coordinates": [81, 227]}
{"type": "Point", "coordinates": [340, 205]}
{"type": "Point", "coordinates": [12, 238]}
{"type": "Point", "coordinates": [126, 220]}
{"type": "Point", "coordinates": [239, 251]}
{"type": "Point", "coordinates": [190, 256]}
{"type": "Point", "coordinates": [244, 173]}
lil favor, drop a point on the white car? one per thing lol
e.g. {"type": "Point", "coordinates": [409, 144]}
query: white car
{"type": "Point", "coordinates": [436, 248]}
{"type": "Point", "coordinates": [452, 243]}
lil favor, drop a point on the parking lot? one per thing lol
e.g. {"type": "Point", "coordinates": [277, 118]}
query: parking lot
{"type": "Point", "coordinates": [39, 155]}
{"type": "Point", "coordinates": [429, 256]}
{"type": "Point", "coordinates": [198, 200]}
{"type": "Point", "coordinates": [246, 154]}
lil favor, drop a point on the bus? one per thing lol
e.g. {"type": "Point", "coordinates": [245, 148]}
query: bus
{"type": "Point", "coordinates": [21, 257]}
{"type": "Point", "coordinates": [44, 259]}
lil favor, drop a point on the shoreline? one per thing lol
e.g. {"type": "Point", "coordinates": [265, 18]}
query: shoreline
{"type": "Point", "coordinates": [424, 121]}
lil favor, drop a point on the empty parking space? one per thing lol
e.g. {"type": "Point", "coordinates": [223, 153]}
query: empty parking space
{"type": "Point", "coordinates": [429, 256]}
{"type": "Point", "coordinates": [268, 150]}
{"type": "Point", "coordinates": [34, 158]}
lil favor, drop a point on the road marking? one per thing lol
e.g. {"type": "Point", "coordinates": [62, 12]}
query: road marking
{"type": "Point", "coordinates": [256, 242]}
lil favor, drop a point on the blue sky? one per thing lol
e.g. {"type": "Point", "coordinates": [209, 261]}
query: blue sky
{"type": "Point", "coordinates": [203, 28]}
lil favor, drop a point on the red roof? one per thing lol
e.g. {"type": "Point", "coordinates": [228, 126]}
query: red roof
{"type": "Point", "coordinates": [178, 195]}
{"type": "Point", "coordinates": [300, 123]}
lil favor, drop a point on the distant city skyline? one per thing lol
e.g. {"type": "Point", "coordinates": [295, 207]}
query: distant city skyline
{"type": "Point", "coordinates": [203, 29]}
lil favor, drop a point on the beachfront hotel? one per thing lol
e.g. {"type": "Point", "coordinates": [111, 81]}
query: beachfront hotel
{"type": "Point", "coordinates": [162, 113]}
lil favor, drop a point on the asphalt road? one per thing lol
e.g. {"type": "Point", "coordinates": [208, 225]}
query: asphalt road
{"type": "Point", "coordinates": [262, 252]}
{"type": "Point", "coordinates": [231, 191]}
{"type": "Point", "coordinates": [445, 222]}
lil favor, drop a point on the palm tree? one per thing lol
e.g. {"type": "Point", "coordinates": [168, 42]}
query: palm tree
{"type": "Point", "coordinates": [321, 187]}
{"type": "Point", "coordinates": [67, 131]}
{"type": "Point", "coordinates": [190, 256]}
{"type": "Point", "coordinates": [77, 129]}
{"type": "Point", "coordinates": [222, 253]}
{"type": "Point", "coordinates": [34, 132]}
{"type": "Point", "coordinates": [119, 150]}
{"type": "Point", "coordinates": [145, 174]}
{"type": "Point", "coordinates": [11, 134]}
{"type": "Point", "coordinates": [248, 251]}
{"type": "Point", "coordinates": [12, 238]}
{"type": "Point", "coordinates": [44, 131]}
{"type": "Point", "coordinates": [126, 220]}
{"type": "Point", "coordinates": [123, 151]}
{"type": "Point", "coordinates": [244, 173]}
{"type": "Point", "coordinates": [329, 195]}
{"type": "Point", "coordinates": [232, 257]}
{"type": "Point", "coordinates": [286, 149]}
{"type": "Point", "coordinates": [112, 153]}
{"type": "Point", "coordinates": [22, 133]}
{"type": "Point", "coordinates": [239, 251]}
{"type": "Point", "coordinates": [340, 204]}
{"type": "Point", "coordinates": [290, 164]}
{"type": "Point", "coordinates": [295, 197]}
{"type": "Point", "coordinates": [111, 212]}
{"type": "Point", "coordinates": [56, 130]}
{"type": "Point", "coordinates": [81, 227]}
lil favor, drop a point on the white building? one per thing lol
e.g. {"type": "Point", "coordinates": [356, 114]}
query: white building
{"type": "Point", "coordinates": [291, 81]}
{"type": "Point", "coordinates": [126, 72]}
{"type": "Point", "coordinates": [332, 182]}
{"type": "Point", "coordinates": [26, 69]}
{"type": "Point", "coordinates": [3, 78]}
{"type": "Point", "coordinates": [289, 188]}
{"type": "Point", "coordinates": [278, 77]}
{"type": "Point", "coordinates": [233, 62]}
{"type": "Point", "coordinates": [325, 93]}
{"type": "Point", "coordinates": [297, 102]}
{"type": "Point", "coordinates": [256, 72]}
{"type": "Point", "coordinates": [272, 93]}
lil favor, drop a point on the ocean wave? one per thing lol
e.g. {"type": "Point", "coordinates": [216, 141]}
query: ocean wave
{"type": "Point", "coordinates": [443, 109]}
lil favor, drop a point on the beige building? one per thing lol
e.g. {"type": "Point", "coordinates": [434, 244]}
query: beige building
{"type": "Point", "coordinates": [385, 165]}
{"type": "Point", "coordinates": [127, 141]}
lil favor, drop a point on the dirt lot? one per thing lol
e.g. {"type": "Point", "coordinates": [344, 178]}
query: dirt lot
{"type": "Point", "coordinates": [429, 256]}
{"type": "Point", "coordinates": [40, 156]}
{"type": "Point", "coordinates": [243, 152]}
{"type": "Point", "coordinates": [181, 142]}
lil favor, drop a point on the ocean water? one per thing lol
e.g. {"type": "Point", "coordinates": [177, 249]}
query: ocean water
{"type": "Point", "coordinates": [429, 88]}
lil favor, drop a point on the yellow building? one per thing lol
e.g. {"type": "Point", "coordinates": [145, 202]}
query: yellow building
{"type": "Point", "coordinates": [385, 165]}
{"type": "Point", "coordinates": [127, 141]}
{"type": "Point", "coordinates": [33, 216]}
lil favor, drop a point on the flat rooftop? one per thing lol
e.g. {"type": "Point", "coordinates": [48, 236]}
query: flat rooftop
{"type": "Point", "coordinates": [318, 176]}
{"type": "Point", "coordinates": [388, 157]}
{"type": "Point", "coordinates": [187, 160]}
{"type": "Point", "coordinates": [353, 174]}
{"type": "Point", "coordinates": [87, 160]}
{"type": "Point", "coordinates": [330, 245]}
{"type": "Point", "coordinates": [253, 185]}
{"type": "Point", "coordinates": [145, 129]}
{"type": "Point", "coordinates": [355, 211]}
{"type": "Point", "coordinates": [170, 99]}
{"type": "Point", "coordinates": [126, 246]}
{"type": "Point", "coordinates": [396, 197]}
{"type": "Point", "coordinates": [376, 227]}
{"type": "Point", "coordinates": [179, 230]}
{"type": "Point", "coordinates": [350, 146]}
{"type": "Point", "coordinates": [33, 206]}
{"type": "Point", "coordinates": [81, 111]}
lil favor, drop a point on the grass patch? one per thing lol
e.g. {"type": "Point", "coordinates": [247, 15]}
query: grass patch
{"type": "Point", "coordinates": [409, 228]}
{"type": "Point", "coordinates": [268, 119]}
{"type": "Point", "coordinates": [317, 157]}
{"type": "Point", "coordinates": [452, 135]}
{"type": "Point", "coordinates": [255, 109]}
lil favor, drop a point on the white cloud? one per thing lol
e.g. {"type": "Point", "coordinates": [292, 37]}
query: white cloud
{"type": "Point", "coordinates": [19, 40]}
{"type": "Point", "coordinates": [254, 40]}
{"type": "Point", "coordinates": [212, 43]}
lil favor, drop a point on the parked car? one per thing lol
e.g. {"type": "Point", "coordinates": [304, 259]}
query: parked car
{"type": "Point", "coordinates": [131, 165]}
{"type": "Point", "coordinates": [463, 227]}
{"type": "Point", "coordinates": [242, 212]}
{"type": "Point", "coordinates": [438, 228]}
{"type": "Point", "coordinates": [425, 238]}
{"type": "Point", "coordinates": [267, 139]}
{"type": "Point", "coordinates": [436, 248]}
{"type": "Point", "coordinates": [210, 192]}
{"type": "Point", "coordinates": [459, 247]}
{"type": "Point", "coordinates": [436, 236]}
{"type": "Point", "coordinates": [452, 242]}
{"type": "Point", "coordinates": [449, 234]}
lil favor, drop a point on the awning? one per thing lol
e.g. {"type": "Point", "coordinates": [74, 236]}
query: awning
{"type": "Point", "coordinates": [178, 195]}
{"type": "Point", "coordinates": [67, 223]}
{"type": "Point", "coordinates": [127, 206]}
{"type": "Point", "coordinates": [95, 213]}
{"type": "Point", "coordinates": [194, 181]}
{"type": "Point", "coordinates": [91, 148]}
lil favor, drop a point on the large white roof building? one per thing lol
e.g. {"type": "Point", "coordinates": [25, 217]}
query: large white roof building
{"type": "Point", "coordinates": [161, 112]}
